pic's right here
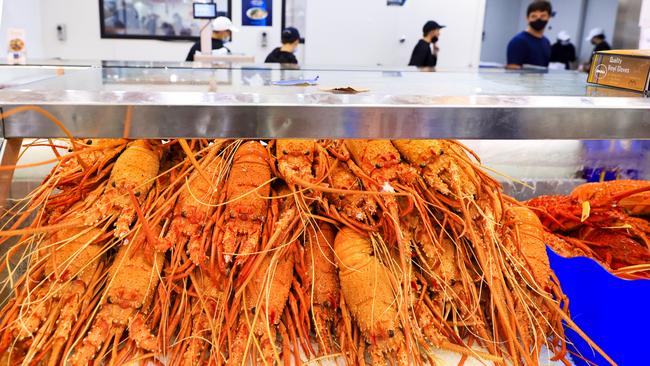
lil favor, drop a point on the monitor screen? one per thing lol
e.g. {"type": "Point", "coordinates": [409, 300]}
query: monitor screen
{"type": "Point", "coordinates": [157, 19]}
{"type": "Point", "coordinates": [205, 11]}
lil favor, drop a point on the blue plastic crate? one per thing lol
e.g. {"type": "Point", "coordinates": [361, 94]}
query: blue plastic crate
{"type": "Point", "coordinates": [613, 312]}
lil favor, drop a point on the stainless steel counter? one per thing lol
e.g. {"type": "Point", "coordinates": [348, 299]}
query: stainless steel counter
{"type": "Point", "coordinates": [242, 102]}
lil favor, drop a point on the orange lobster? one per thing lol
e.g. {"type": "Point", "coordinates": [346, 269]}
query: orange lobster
{"type": "Point", "coordinates": [193, 208]}
{"type": "Point", "coordinates": [355, 206]}
{"type": "Point", "coordinates": [134, 171]}
{"type": "Point", "coordinates": [132, 283]}
{"type": "Point", "coordinates": [296, 160]}
{"type": "Point", "coordinates": [637, 204]}
{"type": "Point", "coordinates": [205, 320]}
{"type": "Point", "coordinates": [247, 190]}
{"type": "Point", "coordinates": [369, 293]}
{"type": "Point", "coordinates": [322, 278]}
{"type": "Point", "coordinates": [72, 265]}
{"type": "Point", "coordinates": [264, 301]}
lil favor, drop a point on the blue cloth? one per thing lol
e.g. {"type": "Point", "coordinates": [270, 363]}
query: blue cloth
{"type": "Point", "coordinates": [526, 49]}
{"type": "Point", "coordinates": [613, 312]}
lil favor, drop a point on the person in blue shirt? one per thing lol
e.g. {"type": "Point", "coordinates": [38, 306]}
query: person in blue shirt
{"type": "Point", "coordinates": [530, 47]}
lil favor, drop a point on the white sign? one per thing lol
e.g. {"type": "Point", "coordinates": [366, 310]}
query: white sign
{"type": "Point", "coordinates": [16, 46]}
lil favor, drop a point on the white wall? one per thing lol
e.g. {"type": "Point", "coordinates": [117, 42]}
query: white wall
{"type": "Point", "coordinates": [84, 42]}
{"type": "Point", "coordinates": [602, 14]}
{"type": "Point", "coordinates": [501, 23]}
{"type": "Point", "coordinates": [23, 14]}
{"type": "Point", "coordinates": [367, 32]}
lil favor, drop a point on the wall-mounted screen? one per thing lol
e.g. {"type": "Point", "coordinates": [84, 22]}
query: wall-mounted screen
{"type": "Point", "coordinates": [205, 10]}
{"type": "Point", "coordinates": [153, 19]}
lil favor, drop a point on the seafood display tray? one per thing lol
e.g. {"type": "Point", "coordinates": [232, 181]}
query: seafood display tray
{"type": "Point", "coordinates": [242, 102]}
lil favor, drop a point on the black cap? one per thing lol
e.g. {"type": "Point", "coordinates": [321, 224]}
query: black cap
{"type": "Point", "coordinates": [290, 35]}
{"type": "Point", "coordinates": [431, 25]}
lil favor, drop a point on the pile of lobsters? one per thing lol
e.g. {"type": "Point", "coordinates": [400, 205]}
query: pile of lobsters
{"type": "Point", "coordinates": [277, 252]}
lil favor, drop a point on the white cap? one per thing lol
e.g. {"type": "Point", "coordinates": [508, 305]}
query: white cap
{"type": "Point", "coordinates": [595, 32]}
{"type": "Point", "coordinates": [563, 36]}
{"type": "Point", "coordinates": [223, 24]}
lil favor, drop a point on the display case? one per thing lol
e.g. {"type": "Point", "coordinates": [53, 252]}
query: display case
{"type": "Point", "coordinates": [529, 126]}
{"type": "Point", "coordinates": [243, 102]}
{"type": "Point", "coordinates": [115, 99]}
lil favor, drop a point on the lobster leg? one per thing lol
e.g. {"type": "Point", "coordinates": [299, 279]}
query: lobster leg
{"type": "Point", "coordinates": [141, 334]}
{"type": "Point", "coordinates": [100, 332]}
{"type": "Point", "coordinates": [35, 316]}
{"type": "Point", "coordinates": [196, 248]}
{"type": "Point", "coordinates": [124, 221]}
{"type": "Point", "coordinates": [71, 305]}
{"type": "Point", "coordinates": [197, 344]}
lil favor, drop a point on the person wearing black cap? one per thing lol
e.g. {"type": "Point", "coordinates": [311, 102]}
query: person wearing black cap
{"type": "Point", "coordinates": [284, 54]}
{"type": "Point", "coordinates": [423, 56]}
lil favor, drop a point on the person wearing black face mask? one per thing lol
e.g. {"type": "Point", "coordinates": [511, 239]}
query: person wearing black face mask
{"type": "Point", "coordinates": [222, 29]}
{"type": "Point", "coordinates": [423, 56]}
{"type": "Point", "coordinates": [530, 47]}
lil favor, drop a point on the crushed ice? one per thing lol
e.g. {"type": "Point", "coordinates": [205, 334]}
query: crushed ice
{"type": "Point", "coordinates": [387, 188]}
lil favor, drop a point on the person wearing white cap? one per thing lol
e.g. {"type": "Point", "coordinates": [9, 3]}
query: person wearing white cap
{"type": "Point", "coordinates": [597, 38]}
{"type": "Point", "coordinates": [563, 50]}
{"type": "Point", "coordinates": [222, 29]}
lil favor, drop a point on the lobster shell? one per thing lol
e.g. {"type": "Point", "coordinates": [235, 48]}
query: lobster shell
{"type": "Point", "coordinates": [636, 204]}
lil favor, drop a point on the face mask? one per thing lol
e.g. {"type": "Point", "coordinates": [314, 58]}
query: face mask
{"type": "Point", "coordinates": [434, 39]}
{"type": "Point", "coordinates": [538, 24]}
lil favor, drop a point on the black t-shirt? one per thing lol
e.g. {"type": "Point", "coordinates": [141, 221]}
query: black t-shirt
{"type": "Point", "coordinates": [216, 44]}
{"type": "Point", "coordinates": [602, 46]}
{"type": "Point", "coordinates": [278, 56]}
{"type": "Point", "coordinates": [564, 53]}
{"type": "Point", "coordinates": [527, 49]}
{"type": "Point", "coordinates": [422, 55]}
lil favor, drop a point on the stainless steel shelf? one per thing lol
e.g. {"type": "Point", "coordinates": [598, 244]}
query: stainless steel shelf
{"type": "Point", "coordinates": [242, 102]}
